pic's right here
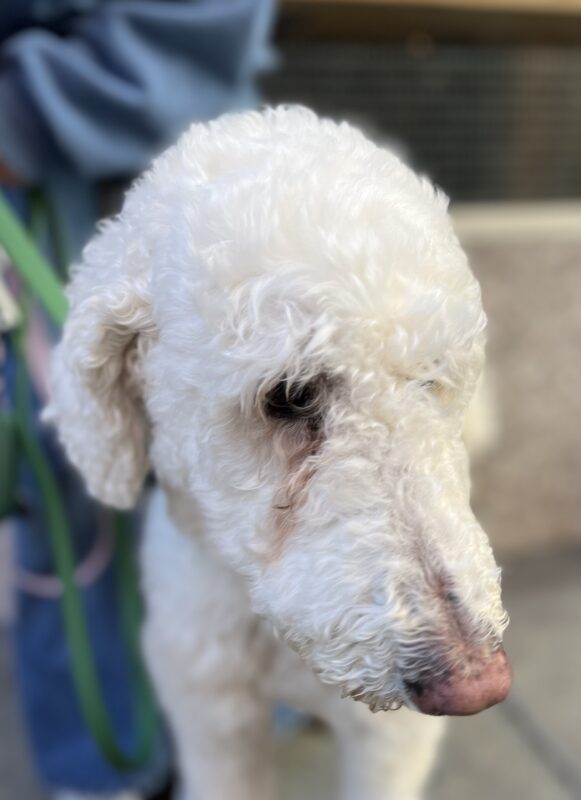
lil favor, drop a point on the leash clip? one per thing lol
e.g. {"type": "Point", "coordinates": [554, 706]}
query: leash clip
{"type": "Point", "coordinates": [10, 314]}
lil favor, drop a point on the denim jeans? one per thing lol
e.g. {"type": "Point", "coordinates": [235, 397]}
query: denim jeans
{"type": "Point", "coordinates": [63, 749]}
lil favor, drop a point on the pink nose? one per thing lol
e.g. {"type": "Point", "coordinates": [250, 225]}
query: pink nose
{"type": "Point", "coordinates": [484, 685]}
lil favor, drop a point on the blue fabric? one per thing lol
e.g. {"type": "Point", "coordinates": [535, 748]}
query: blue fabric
{"type": "Point", "coordinates": [125, 79]}
{"type": "Point", "coordinates": [90, 90]}
{"type": "Point", "coordinates": [65, 754]}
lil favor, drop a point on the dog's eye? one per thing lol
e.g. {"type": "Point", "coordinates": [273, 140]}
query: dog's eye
{"type": "Point", "coordinates": [291, 402]}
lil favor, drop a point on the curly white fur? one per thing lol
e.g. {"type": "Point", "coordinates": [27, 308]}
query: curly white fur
{"type": "Point", "coordinates": [270, 249]}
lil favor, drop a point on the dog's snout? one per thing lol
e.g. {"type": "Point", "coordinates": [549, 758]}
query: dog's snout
{"type": "Point", "coordinates": [460, 693]}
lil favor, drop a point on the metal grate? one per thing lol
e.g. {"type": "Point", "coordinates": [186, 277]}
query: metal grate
{"type": "Point", "coordinates": [486, 123]}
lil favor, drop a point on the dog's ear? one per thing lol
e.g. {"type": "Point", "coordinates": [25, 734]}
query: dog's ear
{"type": "Point", "coordinates": [96, 382]}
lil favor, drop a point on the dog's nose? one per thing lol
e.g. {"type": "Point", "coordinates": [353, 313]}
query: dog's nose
{"type": "Point", "coordinates": [462, 693]}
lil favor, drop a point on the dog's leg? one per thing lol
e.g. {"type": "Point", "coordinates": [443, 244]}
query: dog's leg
{"type": "Point", "coordinates": [386, 756]}
{"type": "Point", "coordinates": [220, 724]}
{"type": "Point", "coordinates": [206, 653]}
{"type": "Point", "coordinates": [223, 746]}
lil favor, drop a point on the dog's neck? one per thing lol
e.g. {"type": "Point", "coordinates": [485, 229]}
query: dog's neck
{"type": "Point", "coordinates": [186, 516]}
{"type": "Point", "coordinates": [184, 512]}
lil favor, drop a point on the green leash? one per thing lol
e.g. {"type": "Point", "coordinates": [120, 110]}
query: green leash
{"type": "Point", "coordinates": [15, 439]}
{"type": "Point", "coordinates": [29, 263]}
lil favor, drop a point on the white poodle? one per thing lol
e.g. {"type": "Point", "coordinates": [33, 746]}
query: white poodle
{"type": "Point", "coordinates": [282, 325]}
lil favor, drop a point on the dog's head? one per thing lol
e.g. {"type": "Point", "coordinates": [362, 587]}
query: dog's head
{"type": "Point", "coordinates": [283, 324]}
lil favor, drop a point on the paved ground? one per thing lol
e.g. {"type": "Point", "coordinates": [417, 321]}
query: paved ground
{"type": "Point", "coordinates": [529, 748]}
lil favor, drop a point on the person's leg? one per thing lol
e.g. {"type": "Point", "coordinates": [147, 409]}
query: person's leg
{"type": "Point", "coordinates": [64, 751]}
